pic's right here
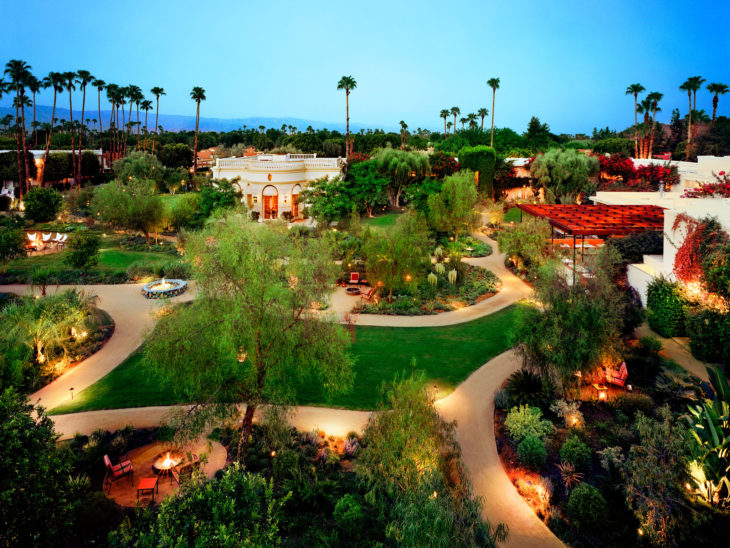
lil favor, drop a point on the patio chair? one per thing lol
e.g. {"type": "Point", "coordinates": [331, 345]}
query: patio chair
{"type": "Point", "coordinates": [117, 471]}
{"type": "Point", "coordinates": [32, 237]}
{"type": "Point", "coordinates": [46, 237]}
{"type": "Point", "coordinates": [370, 296]}
{"type": "Point", "coordinates": [185, 469]}
{"type": "Point", "coordinates": [617, 377]}
{"type": "Point", "coordinates": [62, 241]}
{"type": "Point", "coordinates": [354, 278]}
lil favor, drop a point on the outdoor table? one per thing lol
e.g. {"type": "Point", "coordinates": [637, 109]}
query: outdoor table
{"type": "Point", "coordinates": [147, 486]}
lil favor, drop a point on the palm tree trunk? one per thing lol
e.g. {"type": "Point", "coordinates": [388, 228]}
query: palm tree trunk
{"type": "Point", "coordinates": [454, 123]}
{"type": "Point", "coordinates": [48, 139]}
{"type": "Point", "coordinates": [636, 127]}
{"type": "Point", "coordinates": [715, 100]}
{"type": "Point", "coordinates": [653, 129]}
{"type": "Point", "coordinates": [146, 112]}
{"type": "Point", "coordinates": [689, 127]}
{"type": "Point", "coordinates": [17, 142]}
{"type": "Point", "coordinates": [73, 146]}
{"type": "Point", "coordinates": [445, 132]}
{"type": "Point", "coordinates": [491, 140]}
{"type": "Point", "coordinates": [482, 127]}
{"type": "Point", "coordinates": [137, 147]}
{"type": "Point", "coordinates": [35, 132]}
{"type": "Point", "coordinates": [81, 131]}
{"type": "Point", "coordinates": [157, 113]}
{"type": "Point", "coordinates": [195, 149]}
{"type": "Point", "coordinates": [122, 148]}
{"type": "Point", "coordinates": [347, 124]}
{"type": "Point", "coordinates": [22, 140]}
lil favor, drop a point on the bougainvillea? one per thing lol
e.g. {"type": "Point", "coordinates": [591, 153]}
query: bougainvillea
{"type": "Point", "coordinates": [618, 173]}
{"type": "Point", "coordinates": [720, 189]}
{"type": "Point", "coordinates": [688, 262]}
{"type": "Point", "coordinates": [442, 164]}
{"type": "Point", "coordinates": [357, 157]}
{"type": "Point", "coordinates": [617, 165]}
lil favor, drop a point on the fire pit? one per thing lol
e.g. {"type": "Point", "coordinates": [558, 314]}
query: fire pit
{"type": "Point", "coordinates": [166, 461]}
{"type": "Point", "coordinates": [164, 289]}
{"type": "Point", "coordinates": [354, 291]}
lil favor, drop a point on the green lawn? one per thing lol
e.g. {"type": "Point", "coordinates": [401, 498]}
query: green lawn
{"type": "Point", "coordinates": [381, 221]}
{"type": "Point", "coordinates": [447, 355]}
{"type": "Point", "coordinates": [513, 214]}
{"type": "Point", "coordinates": [110, 260]}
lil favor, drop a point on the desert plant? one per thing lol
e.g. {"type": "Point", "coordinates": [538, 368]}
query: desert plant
{"type": "Point", "coordinates": [529, 388]}
{"type": "Point", "coordinates": [575, 452]}
{"type": "Point", "coordinates": [570, 476]}
{"type": "Point", "coordinates": [531, 452]}
{"type": "Point", "coordinates": [568, 411]}
{"type": "Point", "coordinates": [523, 421]}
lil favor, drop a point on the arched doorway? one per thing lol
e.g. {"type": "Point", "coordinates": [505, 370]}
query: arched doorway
{"type": "Point", "coordinates": [271, 202]}
{"type": "Point", "coordinates": [295, 200]}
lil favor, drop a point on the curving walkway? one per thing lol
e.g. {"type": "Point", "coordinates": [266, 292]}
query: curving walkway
{"type": "Point", "coordinates": [513, 290]}
{"type": "Point", "coordinates": [133, 316]}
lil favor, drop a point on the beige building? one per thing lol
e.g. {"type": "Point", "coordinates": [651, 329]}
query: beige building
{"type": "Point", "coordinates": [271, 183]}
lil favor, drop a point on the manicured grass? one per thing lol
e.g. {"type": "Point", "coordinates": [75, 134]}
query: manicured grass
{"type": "Point", "coordinates": [446, 355]}
{"type": "Point", "coordinates": [513, 214]}
{"type": "Point", "coordinates": [111, 260]}
{"type": "Point", "coordinates": [381, 221]}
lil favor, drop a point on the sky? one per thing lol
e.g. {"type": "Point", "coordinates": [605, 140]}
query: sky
{"type": "Point", "coordinates": [567, 62]}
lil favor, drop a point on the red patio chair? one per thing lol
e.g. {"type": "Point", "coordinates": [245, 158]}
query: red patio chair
{"type": "Point", "coordinates": [354, 278]}
{"type": "Point", "coordinates": [117, 471]}
{"type": "Point", "coordinates": [617, 377]}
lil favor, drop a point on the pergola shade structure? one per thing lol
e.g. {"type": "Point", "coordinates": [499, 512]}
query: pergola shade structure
{"type": "Point", "coordinates": [599, 220]}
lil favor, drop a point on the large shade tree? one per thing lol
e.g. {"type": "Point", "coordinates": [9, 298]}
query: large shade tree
{"type": "Point", "coordinates": [402, 169]}
{"type": "Point", "coordinates": [252, 331]}
{"type": "Point", "coordinates": [452, 209]}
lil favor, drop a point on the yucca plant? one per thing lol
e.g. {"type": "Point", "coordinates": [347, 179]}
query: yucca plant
{"type": "Point", "coordinates": [529, 388]}
{"type": "Point", "coordinates": [570, 476]}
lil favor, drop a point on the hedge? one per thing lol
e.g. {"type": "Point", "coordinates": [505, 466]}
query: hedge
{"type": "Point", "coordinates": [709, 335]}
{"type": "Point", "coordinates": [665, 308]}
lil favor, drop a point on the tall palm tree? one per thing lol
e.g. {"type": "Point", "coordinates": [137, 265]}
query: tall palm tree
{"type": "Point", "coordinates": [34, 85]}
{"type": "Point", "coordinates": [697, 82]}
{"type": "Point", "coordinates": [462, 121]}
{"type": "Point", "coordinates": [472, 119]}
{"type": "Point", "coordinates": [156, 91]}
{"type": "Point", "coordinates": [654, 97]}
{"type": "Point", "coordinates": [494, 84]}
{"type": "Point", "coordinates": [112, 92]}
{"type": "Point", "coordinates": [134, 94]}
{"type": "Point", "coordinates": [53, 80]}
{"type": "Point", "coordinates": [687, 86]}
{"type": "Point", "coordinates": [138, 98]}
{"type": "Point", "coordinates": [99, 85]}
{"type": "Point", "coordinates": [635, 89]}
{"type": "Point", "coordinates": [146, 106]}
{"type": "Point", "coordinates": [645, 109]}
{"type": "Point", "coordinates": [483, 113]}
{"type": "Point", "coordinates": [716, 89]}
{"type": "Point", "coordinates": [83, 79]}
{"type": "Point", "coordinates": [19, 72]}
{"type": "Point", "coordinates": [403, 133]}
{"type": "Point", "coordinates": [455, 111]}
{"type": "Point", "coordinates": [197, 95]}
{"type": "Point", "coordinates": [444, 114]}
{"type": "Point", "coordinates": [348, 83]}
{"type": "Point", "coordinates": [69, 78]}
{"type": "Point", "coordinates": [449, 125]}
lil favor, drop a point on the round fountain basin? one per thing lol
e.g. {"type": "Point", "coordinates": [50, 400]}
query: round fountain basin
{"type": "Point", "coordinates": [164, 289]}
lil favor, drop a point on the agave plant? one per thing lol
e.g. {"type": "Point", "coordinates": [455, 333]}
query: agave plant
{"type": "Point", "coordinates": [570, 476]}
{"type": "Point", "coordinates": [526, 387]}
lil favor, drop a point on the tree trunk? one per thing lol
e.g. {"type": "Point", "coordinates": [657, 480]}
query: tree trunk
{"type": "Point", "coordinates": [494, 94]}
{"type": "Point", "coordinates": [73, 147]}
{"type": "Point", "coordinates": [101, 137]}
{"type": "Point", "coordinates": [689, 128]}
{"type": "Point", "coordinates": [715, 100]}
{"type": "Point", "coordinates": [137, 147]}
{"type": "Point", "coordinates": [246, 427]}
{"type": "Point", "coordinates": [128, 127]}
{"type": "Point", "coordinates": [35, 133]}
{"type": "Point", "coordinates": [347, 124]}
{"type": "Point", "coordinates": [48, 139]}
{"type": "Point", "coordinates": [636, 127]}
{"type": "Point", "coordinates": [653, 129]}
{"type": "Point", "coordinates": [157, 114]}
{"type": "Point", "coordinates": [25, 152]}
{"type": "Point", "coordinates": [81, 134]}
{"type": "Point", "coordinates": [195, 149]}
{"type": "Point", "coordinates": [445, 132]}
{"type": "Point", "coordinates": [17, 143]}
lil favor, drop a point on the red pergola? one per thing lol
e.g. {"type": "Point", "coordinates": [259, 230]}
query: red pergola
{"type": "Point", "coordinates": [599, 220]}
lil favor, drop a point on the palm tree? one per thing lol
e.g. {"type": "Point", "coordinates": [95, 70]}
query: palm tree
{"type": "Point", "coordinates": [716, 89]}
{"type": "Point", "coordinates": [403, 133]}
{"type": "Point", "coordinates": [687, 86]}
{"type": "Point", "coordinates": [472, 119]}
{"type": "Point", "coordinates": [112, 93]}
{"type": "Point", "coordinates": [462, 121]}
{"type": "Point", "coordinates": [494, 84]}
{"type": "Point", "coordinates": [138, 98]}
{"type": "Point", "coordinates": [483, 112]}
{"type": "Point", "coordinates": [53, 80]}
{"type": "Point", "coordinates": [455, 111]}
{"type": "Point", "coordinates": [34, 85]}
{"type": "Point", "coordinates": [83, 79]}
{"type": "Point", "coordinates": [635, 89]}
{"type": "Point", "coordinates": [654, 97]}
{"type": "Point", "coordinates": [19, 72]}
{"type": "Point", "coordinates": [69, 78]}
{"type": "Point", "coordinates": [697, 82]}
{"type": "Point", "coordinates": [645, 109]}
{"type": "Point", "coordinates": [146, 106]}
{"type": "Point", "coordinates": [348, 83]}
{"type": "Point", "coordinates": [99, 85]}
{"type": "Point", "coordinates": [197, 95]}
{"type": "Point", "coordinates": [156, 91]}
{"type": "Point", "coordinates": [449, 125]}
{"type": "Point", "coordinates": [444, 114]}
{"type": "Point", "coordinates": [134, 94]}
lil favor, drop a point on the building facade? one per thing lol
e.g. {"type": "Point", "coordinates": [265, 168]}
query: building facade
{"type": "Point", "coordinates": [270, 184]}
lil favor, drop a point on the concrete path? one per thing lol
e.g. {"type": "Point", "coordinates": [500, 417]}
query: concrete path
{"type": "Point", "coordinates": [471, 405]}
{"type": "Point", "coordinates": [677, 349]}
{"type": "Point", "coordinates": [513, 290]}
{"type": "Point", "coordinates": [133, 316]}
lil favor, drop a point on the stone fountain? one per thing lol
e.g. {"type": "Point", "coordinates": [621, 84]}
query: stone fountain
{"type": "Point", "coordinates": [164, 289]}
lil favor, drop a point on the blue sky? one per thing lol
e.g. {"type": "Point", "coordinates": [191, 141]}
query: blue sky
{"type": "Point", "coordinates": [567, 62]}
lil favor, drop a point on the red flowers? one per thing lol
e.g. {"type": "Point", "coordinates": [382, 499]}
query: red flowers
{"type": "Point", "coordinates": [710, 190]}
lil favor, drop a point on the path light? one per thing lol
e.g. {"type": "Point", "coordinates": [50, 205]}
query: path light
{"type": "Point", "coordinates": [241, 355]}
{"type": "Point", "coordinates": [72, 392]}
{"type": "Point", "coordinates": [408, 277]}
{"type": "Point", "coordinates": [380, 284]}
{"type": "Point", "coordinates": [688, 486]}
{"type": "Point", "coordinates": [640, 531]}
{"type": "Point", "coordinates": [273, 454]}
{"type": "Point", "coordinates": [434, 495]}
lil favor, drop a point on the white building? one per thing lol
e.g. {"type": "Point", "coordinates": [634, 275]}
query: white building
{"type": "Point", "coordinates": [271, 183]}
{"type": "Point", "coordinates": [691, 175]}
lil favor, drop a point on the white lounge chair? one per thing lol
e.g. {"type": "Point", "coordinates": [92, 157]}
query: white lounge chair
{"type": "Point", "coordinates": [62, 241]}
{"type": "Point", "coordinates": [57, 238]}
{"type": "Point", "coordinates": [32, 237]}
{"type": "Point", "coordinates": [46, 237]}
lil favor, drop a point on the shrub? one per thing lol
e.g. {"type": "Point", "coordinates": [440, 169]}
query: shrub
{"type": "Point", "coordinates": [139, 270]}
{"type": "Point", "coordinates": [568, 412]}
{"type": "Point", "coordinates": [42, 204]}
{"type": "Point", "coordinates": [665, 307]}
{"type": "Point", "coordinates": [526, 421]}
{"type": "Point", "coordinates": [528, 388]}
{"type": "Point", "coordinates": [348, 514]}
{"type": "Point", "coordinates": [631, 402]}
{"type": "Point", "coordinates": [502, 400]}
{"type": "Point", "coordinates": [586, 506]}
{"type": "Point", "coordinates": [178, 269]}
{"type": "Point", "coordinates": [286, 464]}
{"type": "Point", "coordinates": [633, 247]}
{"type": "Point", "coordinates": [575, 452]}
{"type": "Point", "coordinates": [709, 332]}
{"type": "Point", "coordinates": [84, 251]}
{"type": "Point", "coordinates": [480, 159]}
{"type": "Point", "coordinates": [531, 452]}
{"type": "Point", "coordinates": [614, 145]}
{"type": "Point", "coordinates": [182, 211]}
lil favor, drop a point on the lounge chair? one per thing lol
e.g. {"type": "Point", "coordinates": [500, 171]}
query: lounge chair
{"type": "Point", "coordinates": [117, 471]}
{"type": "Point", "coordinates": [32, 237]}
{"type": "Point", "coordinates": [617, 377]}
{"type": "Point", "coordinates": [46, 237]}
{"type": "Point", "coordinates": [185, 469]}
{"type": "Point", "coordinates": [62, 241]}
{"type": "Point", "coordinates": [370, 296]}
{"type": "Point", "coordinates": [354, 278]}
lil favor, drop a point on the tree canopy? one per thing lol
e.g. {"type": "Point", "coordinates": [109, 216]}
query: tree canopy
{"type": "Point", "coordinates": [402, 169]}
{"type": "Point", "coordinates": [564, 173]}
{"type": "Point", "coordinates": [452, 209]}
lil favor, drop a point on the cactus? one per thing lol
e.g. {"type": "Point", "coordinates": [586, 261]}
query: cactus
{"type": "Point", "coordinates": [440, 269]}
{"type": "Point", "coordinates": [433, 279]}
{"type": "Point", "coordinates": [452, 276]}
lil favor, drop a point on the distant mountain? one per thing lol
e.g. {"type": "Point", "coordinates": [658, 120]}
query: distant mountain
{"type": "Point", "coordinates": [176, 122]}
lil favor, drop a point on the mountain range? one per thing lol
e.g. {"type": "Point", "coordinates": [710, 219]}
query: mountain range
{"type": "Point", "coordinates": [176, 122]}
